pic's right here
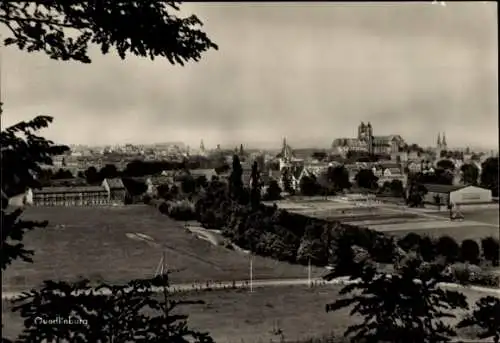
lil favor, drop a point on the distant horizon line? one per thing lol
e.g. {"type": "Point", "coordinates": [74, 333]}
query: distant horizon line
{"type": "Point", "coordinates": [256, 146]}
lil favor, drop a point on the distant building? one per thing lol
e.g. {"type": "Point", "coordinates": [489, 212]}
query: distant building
{"type": "Point", "coordinates": [441, 144]}
{"type": "Point", "coordinates": [116, 190]}
{"type": "Point", "coordinates": [456, 194]}
{"type": "Point", "coordinates": [68, 196]}
{"type": "Point", "coordinates": [369, 143]}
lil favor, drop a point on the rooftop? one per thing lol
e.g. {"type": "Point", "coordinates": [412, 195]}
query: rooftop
{"type": "Point", "coordinates": [435, 188]}
{"type": "Point", "coordinates": [81, 189]}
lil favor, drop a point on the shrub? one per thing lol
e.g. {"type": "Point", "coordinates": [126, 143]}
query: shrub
{"type": "Point", "coordinates": [427, 249]}
{"type": "Point", "coordinates": [486, 279]}
{"type": "Point", "coordinates": [410, 242]}
{"type": "Point", "coordinates": [446, 246]}
{"type": "Point", "coordinates": [182, 210]}
{"type": "Point", "coordinates": [147, 199]}
{"type": "Point", "coordinates": [163, 207]}
{"type": "Point", "coordinates": [382, 249]}
{"type": "Point", "coordinates": [462, 273]}
{"type": "Point", "coordinates": [469, 251]}
{"type": "Point", "coordinates": [491, 250]}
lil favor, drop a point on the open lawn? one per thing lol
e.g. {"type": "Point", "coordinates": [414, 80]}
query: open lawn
{"type": "Point", "coordinates": [92, 243]}
{"type": "Point", "coordinates": [469, 228]}
{"type": "Point", "coordinates": [488, 216]}
{"type": "Point", "coordinates": [237, 316]}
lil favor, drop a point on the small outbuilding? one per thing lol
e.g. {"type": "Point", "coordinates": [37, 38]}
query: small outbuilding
{"type": "Point", "coordinates": [116, 190]}
{"type": "Point", "coordinates": [456, 194]}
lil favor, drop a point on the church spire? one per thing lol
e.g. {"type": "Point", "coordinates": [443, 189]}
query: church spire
{"type": "Point", "coordinates": [444, 140]}
{"type": "Point", "coordinates": [439, 141]}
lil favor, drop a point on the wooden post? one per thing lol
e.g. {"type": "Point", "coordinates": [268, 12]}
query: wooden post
{"type": "Point", "coordinates": [251, 274]}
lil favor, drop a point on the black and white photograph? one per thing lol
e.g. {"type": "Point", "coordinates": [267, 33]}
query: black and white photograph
{"type": "Point", "coordinates": [249, 172]}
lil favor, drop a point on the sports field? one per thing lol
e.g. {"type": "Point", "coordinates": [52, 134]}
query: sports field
{"type": "Point", "coordinates": [400, 220]}
{"type": "Point", "coordinates": [92, 243]}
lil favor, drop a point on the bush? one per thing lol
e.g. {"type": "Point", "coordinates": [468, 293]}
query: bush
{"type": "Point", "coordinates": [147, 199]}
{"type": "Point", "coordinates": [182, 210]}
{"type": "Point", "coordinates": [461, 273]}
{"type": "Point", "coordinates": [447, 247]}
{"type": "Point", "coordinates": [410, 242]}
{"type": "Point", "coordinates": [469, 251]}
{"type": "Point", "coordinates": [383, 249]}
{"type": "Point", "coordinates": [427, 249]}
{"type": "Point", "coordinates": [486, 279]}
{"type": "Point", "coordinates": [163, 207]}
{"type": "Point", "coordinates": [465, 274]}
{"type": "Point", "coordinates": [491, 250]}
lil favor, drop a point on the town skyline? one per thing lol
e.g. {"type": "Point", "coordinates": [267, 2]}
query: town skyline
{"type": "Point", "coordinates": [310, 74]}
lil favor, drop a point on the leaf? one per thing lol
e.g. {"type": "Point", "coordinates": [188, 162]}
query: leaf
{"type": "Point", "coordinates": [9, 41]}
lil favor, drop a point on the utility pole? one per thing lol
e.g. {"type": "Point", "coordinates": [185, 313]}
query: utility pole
{"type": "Point", "coordinates": [251, 273]}
{"type": "Point", "coordinates": [165, 290]}
{"type": "Point", "coordinates": [309, 272]}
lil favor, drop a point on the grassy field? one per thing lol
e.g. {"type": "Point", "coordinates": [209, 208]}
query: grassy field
{"type": "Point", "coordinates": [488, 216]}
{"type": "Point", "coordinates": [462, 232]}
{"type": "Point", "coordinates": [235, 316]}
{"type": "Point", "coordinates": [92, 243]}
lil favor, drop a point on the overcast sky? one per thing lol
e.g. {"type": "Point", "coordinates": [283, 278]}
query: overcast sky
{"type": "Point", "coordinates": [309, 72]}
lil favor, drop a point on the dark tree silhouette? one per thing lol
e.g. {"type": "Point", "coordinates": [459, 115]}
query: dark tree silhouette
{"type": "Point", "coordinates": [62, 174]}
{"type": "Point", "coordinates": [255, 187]}
{"type": "Point", "coordinates": [339, 176]}
{"type": "Point", "coordinates": [201, 181]}
{"type": "Point", "coordinates": [142, 28]}
{"type": "Point", "coordinates": [118, 313]}
{"type": "Point", "coordinates": [236, 179]}
{"type": "Point", "coordinates": [486, 316]}
{"type": "Point", "coordinates": [446, 246]}
{"type": "Point", "coordinates": [405, 307]}
{"type": "Point", "coordinates": [366, 179]}
{"type": "Point", "coordinates": [309, 186]}
{"type": "Point", "coordinates": [92, 175]}
{"type": "Point", "coordinates": [22, 153]}
{"type": "Point", "coordinates": [491, 250]}
{"type": "Point", "coordinates": [397, 188]}
{"type": "Point", "coordinates": [470, 174]}
{"type": "Point", "coordinates": [410, 242]}
{"type": "Point", "coordinates": [489, 175]}
{"type": "Point", "coordinates": [416, 193]}
{"type": "Point", "coordinates": [188, 185]}
{"type": "Point", "coordinates": [273, 191]}
{"type": "Point", "coordinates": [469, 251]}
{"type": "Point", "coordinates": [109, 171]}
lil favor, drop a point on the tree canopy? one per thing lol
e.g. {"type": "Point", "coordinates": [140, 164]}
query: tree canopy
{"type": "Point", "coordinates": [65, 30]}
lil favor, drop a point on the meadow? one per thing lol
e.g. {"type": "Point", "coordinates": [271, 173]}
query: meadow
{"type": "Point", "coordinates": [92, 243]}
{"type": "Point", "coordinates": [236, 316]}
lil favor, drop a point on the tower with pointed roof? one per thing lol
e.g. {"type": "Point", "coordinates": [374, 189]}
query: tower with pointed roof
{"type": "Point", "coordinates": [286, 155]}
{"type": "Point", "coordinates": [202, 148]}
{"type": "Point", "coordinates": [444, 145]}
